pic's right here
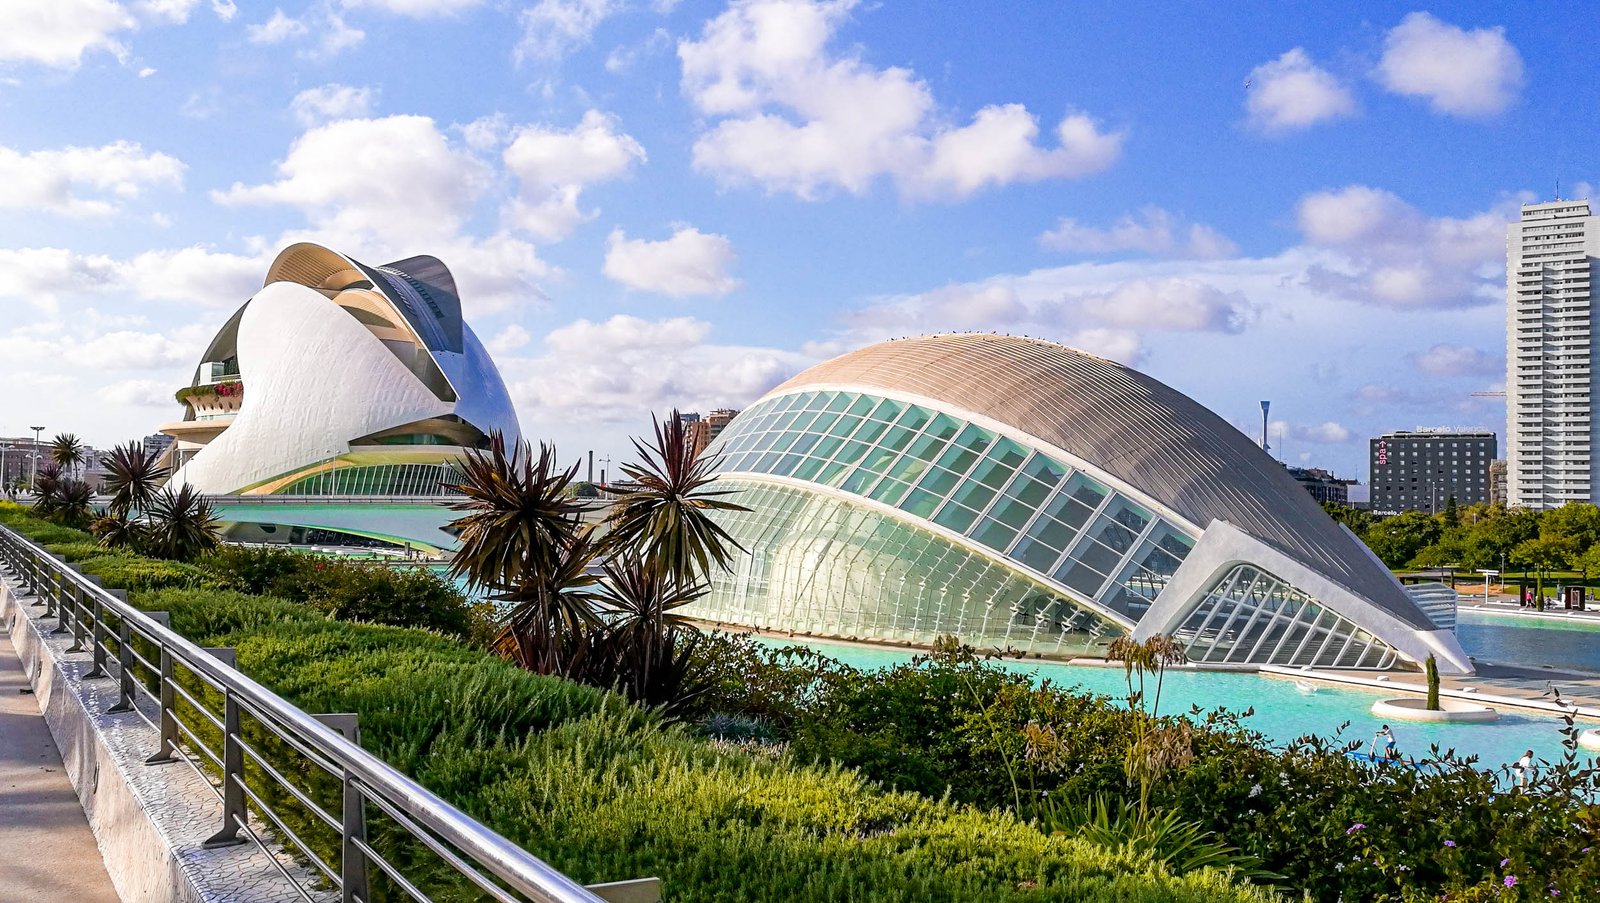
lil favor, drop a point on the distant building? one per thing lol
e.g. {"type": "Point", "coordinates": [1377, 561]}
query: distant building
{"type": "Point", "coordinates": [1323, 486]}
{"type": "Point", "coordinates": [157, 445]}
{"type": "Point", "coordinates": [1422, 469]}
{"type": "Point", "coordinates": [1550, 405]}
{"type": "Point", "coordinates": [16, 460]}
{"type": "Point", "coordinates": [704, 431]}
{"type": "Point", "coordinates": [1497, 482]}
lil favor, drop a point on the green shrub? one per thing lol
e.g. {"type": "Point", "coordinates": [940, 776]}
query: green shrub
{"type": "Point", "coordinates": [135, 572]}
{"type": "Point", "coordinates": [75, 551]}
{"type": "Point", "coordinates": [351, 591]}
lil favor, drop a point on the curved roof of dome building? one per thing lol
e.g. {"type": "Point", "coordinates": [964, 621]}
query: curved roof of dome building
{"type": "Point", "coordinates": [1134, 428]}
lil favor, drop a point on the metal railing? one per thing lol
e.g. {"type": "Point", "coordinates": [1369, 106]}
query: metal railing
{"type": "Point", "coordinates": [259, 738]}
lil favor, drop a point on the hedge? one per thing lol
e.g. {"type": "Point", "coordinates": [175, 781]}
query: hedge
{"type": "Point", "coordinates": [602, 791]}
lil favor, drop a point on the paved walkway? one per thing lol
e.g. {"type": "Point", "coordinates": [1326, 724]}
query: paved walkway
{"type": "Point", "coordinates": [47, 851]}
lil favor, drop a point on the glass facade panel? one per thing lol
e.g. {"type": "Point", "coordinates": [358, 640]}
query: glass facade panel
{"type": "Point", "coordinates": [992, 489]}
{"type": "Point", "coordinates": [828, 567]}
{"type": "Point", "coordinates": [1253, 617]}
{"type": "Point", "coordinates": [378, 479]}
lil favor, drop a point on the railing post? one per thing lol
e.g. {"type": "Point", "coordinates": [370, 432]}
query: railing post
{"type": "Point", "coordinates": [233, 812]}
{"type": "Point", "coordinates": [353, 821]}
{"type": "Point", "coordinates": [125, 685]}
{"type": "Point", "coordinates": [97, 641]}
{"type": "Point", "coordinates": [36, 581]}
{"type": "Point", "coordinates": [80, 611]}
{"type": "Point", "coordinates": [64, 588]}
{"type": "Point", "coordinates": [167, 751]}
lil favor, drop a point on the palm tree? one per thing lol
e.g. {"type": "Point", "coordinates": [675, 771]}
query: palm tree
{"type": "Point", "coordinates": [72, 504]}
{"type": "Point", "coordinates": [132, 478]}
{"type": "Point", "coordinates": [182, 524]}
{"type": "Point", "coordinates": [68, 451]}
{"type": "Point", "coordinates": [668, 518]}
{"type": "Point", "coordinates": [523, 542]}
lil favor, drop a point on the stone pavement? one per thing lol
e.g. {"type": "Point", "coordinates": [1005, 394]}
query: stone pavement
{"type": "Point", "coordinates": [49, 853]}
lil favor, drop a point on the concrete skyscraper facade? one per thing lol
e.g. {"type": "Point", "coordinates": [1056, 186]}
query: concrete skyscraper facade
{"type": "Point", "coordinates": [1550, 402]}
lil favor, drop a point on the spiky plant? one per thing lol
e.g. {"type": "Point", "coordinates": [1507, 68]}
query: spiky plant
{"type": "Point", "coordinates": [47, 482]}
{"type": "Point", "coordinates": [119, 531]}
{"type": "Point", "coordinates": [668, 519]}
{"type": "Point", "coordinates": [72, 506]}
{"type": "Point", "coordinates": [523, 543]}
{"type": "Point", "coordinates": [181, 524]}
{"type": "Point", "coordinates": [132, 478]}
{"type": "Point", "coordinates": [68, 451]}
{"type": "Point", "coordinates": [646, 650]}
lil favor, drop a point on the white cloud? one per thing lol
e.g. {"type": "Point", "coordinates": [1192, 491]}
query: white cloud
{"type": "Point", "coordinates": [224, 9]}
{"type": "Point", "coordinates": [1153, 231]}
{"type": "Point", "coordinates": [314, 106]}
{"type": "Point", "coordinates": [174, 11]}
{"type": "Point", "coordinates": [551, 29]}
{"type": "Point", "coordinates": [621, 59]}
{"type": "Point", "coordinates": [144, 393]}
{"type": "Point", "coordinates": [1291, 92]}
{"type": "Point", "coordinates": [1120, 345]}
{"type": "Point", "coordinates": [620, 369]}
{"type": "Point", "coordinates": [1328, 432]}
{"type": "Point", "coordinates": [57, 33]}
{"type": "Point", "coordinates": [418, 9]}
{"type": "Point", "coordinates": [83, 181]}
{"type": "Point", "coordinates": [1169, 303]}
{"type": "Point", "coordinates": [45, 277]}
{"type": "Point", "coordinates": [1445, 359]}
{"type": "Point", "coordinates": [691, 262]}
{"type": "Point", "coordinates": [1459, 72]}
{"type": "Point", "coordinates": [553, 166]}
{"type": "Point", "coordinates": [509, 339]}
{"type": "Point", "coordinates": [794, 117]}
{"type": "Point", "coordinates": [1396, 255]}
{"type": "Point", "coordinates": [277, 29]}
{"type": "Point", "coordinates": [396, 179]}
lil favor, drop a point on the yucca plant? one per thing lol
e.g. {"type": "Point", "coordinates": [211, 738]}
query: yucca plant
{"type": "Point", "coordinates": [132, 478]}
{"type": "Point", "coordinates": [182, 525]}
{"type": "Point", "coordinates": [72, 504]}
{"type": "Point", "coordinates": [647, 651]}
{"type": "Point", "coordinates": [47, 481]}
{"type": "Point", "coordinates": [523, 543]}
{"type": "Point", "coordinates": [668, 519]}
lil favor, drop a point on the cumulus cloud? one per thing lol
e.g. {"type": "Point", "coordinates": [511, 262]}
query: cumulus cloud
{"type": "Point", "coordinates": [793, 116]}
{"type": "Point", "coordinates": [57, 33]}
{"type": "Point", "coordinates": [509, 339]}
{"type": "Point", "coordinates": [614, 370]}
{"type": "Point", "coordinates": [83, 181]}
{"type": "Point", "coordinates": [1459, 72]}
{"type": "Point", "coordinates": [395, 178]}
{"type": "Point", "coordinates": [315, 106]}
{"type": "Point", "coordinates": [46, 277]}
{"type": "Point", "coordinates": [1397, 256]}
{"type": "Point", "coordinates": [278, 28]}
{"type": "Point", "coordinates": [1291, 92]}
{"type": "Point", "coordinates": [1445, 359]}
{"type": "Point", "coordinates": [553, 166]}
{"type": "Point", "coordinates": [551, 29]}
{"type": "Point", "coordinates": [1328, 432]}
{"type": "Point", "coordinates": [417, 9]}
{"type": "Point", "coordinates": [1152, 231]}
{"type": "Point", "coordinates": [143, 393]}
{"type": "Point", "coordinates": [691, 262]}
{"type": "Point", "coordinates": [1170, 304]}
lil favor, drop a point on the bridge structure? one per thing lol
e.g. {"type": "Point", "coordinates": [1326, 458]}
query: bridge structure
{"type": "Point", "coordinates": [193, 782]}
{"type": "Point", "coordinates": [419, 522]}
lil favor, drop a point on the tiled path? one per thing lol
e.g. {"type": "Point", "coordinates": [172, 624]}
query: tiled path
{"type": "Point", "coordinates": [47, 852]}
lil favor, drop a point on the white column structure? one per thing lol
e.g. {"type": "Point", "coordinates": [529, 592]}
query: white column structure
{"type": "Point", "coordinates": [1550, 350]}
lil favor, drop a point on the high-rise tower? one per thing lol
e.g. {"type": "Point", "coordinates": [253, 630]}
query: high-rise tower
{"type": "Point", "coordinates": [1550, 314]}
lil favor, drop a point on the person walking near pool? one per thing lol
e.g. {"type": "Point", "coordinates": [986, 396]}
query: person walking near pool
{"type": "Point", "coordinates": [1524, 769]}
{"type": "Point", "coordinates": [1385, 738]}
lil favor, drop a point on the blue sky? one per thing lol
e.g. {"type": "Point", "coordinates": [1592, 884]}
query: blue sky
{"type": "Point", "coordinates": [666, 203]}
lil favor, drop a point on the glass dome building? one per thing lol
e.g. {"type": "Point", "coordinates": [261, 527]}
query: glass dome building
{"type": "Point", "coordinates": [1020, 494]}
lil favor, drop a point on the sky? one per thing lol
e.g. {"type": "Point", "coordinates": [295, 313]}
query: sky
{"type": "Point", "coordinates": [659, 203]}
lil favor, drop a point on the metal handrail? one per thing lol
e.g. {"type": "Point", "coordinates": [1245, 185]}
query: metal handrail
{"type": "Point", "coordinates": [81, 607]}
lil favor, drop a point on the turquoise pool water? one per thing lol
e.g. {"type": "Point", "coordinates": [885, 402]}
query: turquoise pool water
{"type": "Point", "coordinates": [1282, 710]}
{"type": "Point", "coordinates": [1509, 639]}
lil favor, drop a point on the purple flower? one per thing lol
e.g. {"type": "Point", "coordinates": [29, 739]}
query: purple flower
{"type": "Point", "coordinates": [1354, 828]}
{"type": "Point", "coordinates": [1450, 843]}
{"type": "Point", "coordinates": [1503, 864]}
{"type": "Point", "coordinates": [1511, 881]}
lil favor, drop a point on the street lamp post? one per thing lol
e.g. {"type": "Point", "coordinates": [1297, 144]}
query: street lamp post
{"type": "Point", "coordinates": [36, 431]}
